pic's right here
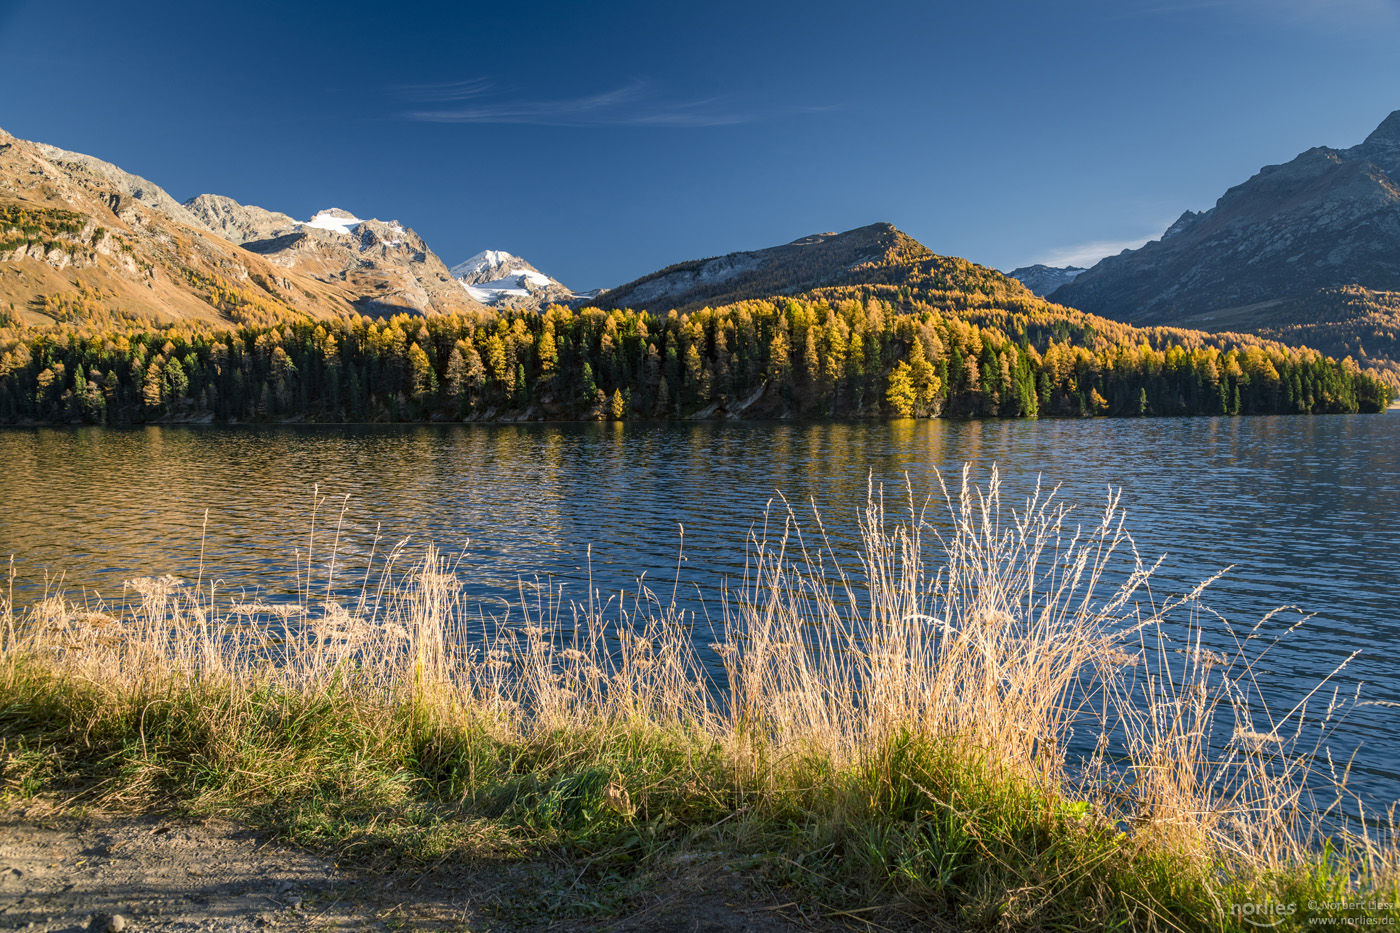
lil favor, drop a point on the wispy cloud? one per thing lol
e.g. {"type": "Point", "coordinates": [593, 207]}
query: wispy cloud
{"type": "Point", "coordinates": [637, 103]}
{"type": "Point", "coordinates": [442, 91]}
{"type": "Point", "coordinates": [1086, 254]}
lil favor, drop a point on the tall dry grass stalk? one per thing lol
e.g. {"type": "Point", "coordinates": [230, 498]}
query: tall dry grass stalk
{"type": "Point", "coordinates": [1011, 637]}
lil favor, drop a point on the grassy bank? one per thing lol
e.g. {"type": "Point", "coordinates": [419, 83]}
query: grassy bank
{"type": "Point", "coordinates": [890, 744]}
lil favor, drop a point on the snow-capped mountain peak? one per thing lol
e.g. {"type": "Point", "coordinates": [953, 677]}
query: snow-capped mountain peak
{"type": "Point", "coordinates": [488, 264]}
{"type": "Point", "coordinates": [1042, 279]}
{"type": "Point", "coordinates": [493, 275]}
{"type": "Point", "coordinates": [343, 222]}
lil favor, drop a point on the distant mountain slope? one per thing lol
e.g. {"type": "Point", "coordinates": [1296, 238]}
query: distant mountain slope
{"type": "Point", "coordinates": [238, 223]}
{"type": "Point", "coordinates": [1042, 279]}
{"type": "Point", "coordinates": [386, 266]}
{"type": "Point", "coordinates": [83, 242]}
{"type": "Point", "coordinates": [1285, 248]}
{"type": "Point", "coordinates": [496, 277]}
{"type": "Point", "coordinates": [876, 254]}
{"type": "Point", "coordinates": [95, 173]}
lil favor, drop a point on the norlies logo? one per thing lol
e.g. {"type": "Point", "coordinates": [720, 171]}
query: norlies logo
{"type": "Point", "coordinates": [1266, 914]}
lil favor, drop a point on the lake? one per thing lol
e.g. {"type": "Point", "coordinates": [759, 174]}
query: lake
{"type": "Point", "coordinates": [1306, 511]}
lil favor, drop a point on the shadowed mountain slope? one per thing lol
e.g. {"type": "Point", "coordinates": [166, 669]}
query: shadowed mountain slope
{"type": "Point", "coordinates": [1299, 245]}
{"type": "Point", "coordinates": [878, 254]}
{"type": "Point", "coordinates": [1042, 279]}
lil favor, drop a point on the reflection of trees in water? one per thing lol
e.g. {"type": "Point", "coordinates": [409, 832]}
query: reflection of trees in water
{"type": "Point", "coordinates": [1303, 508]}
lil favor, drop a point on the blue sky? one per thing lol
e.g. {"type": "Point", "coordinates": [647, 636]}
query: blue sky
{"type": "Point", "coordinates": [603, 141]}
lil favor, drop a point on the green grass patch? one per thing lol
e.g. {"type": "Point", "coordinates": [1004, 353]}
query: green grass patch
{"type": "Point", "coordinates": [894, 766]}
{"type": "Point", "coordinates": [923, 830]}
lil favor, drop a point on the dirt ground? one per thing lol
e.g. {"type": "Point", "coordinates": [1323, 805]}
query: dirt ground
{"type": "Point", "coordinates": [67, 873]}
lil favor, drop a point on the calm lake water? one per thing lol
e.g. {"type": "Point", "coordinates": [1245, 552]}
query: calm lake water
{"type": "Point", "coordinates": [1305, 510]}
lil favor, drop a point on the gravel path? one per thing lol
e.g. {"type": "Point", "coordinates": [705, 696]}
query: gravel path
{"type": "Point", "coordinates": [145, 874]}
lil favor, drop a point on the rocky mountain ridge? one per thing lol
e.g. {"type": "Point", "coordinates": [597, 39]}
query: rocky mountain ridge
{"type": "Point", "coordinates": [495, 277]}
{"type": "Point", "coordinates": [238, 223]}
{"type": "Point", "coordinates": [1042, 279]}
{"type": "Point", "coordinates": [1329, 218]}
{"type": "Point", "coordinates": [97, 172]}
{"type": "Point", "coordinates": [387, 265]}
{"type": "Point", "coordinates": [83, 240]}
{"type": "Point", "coordinates": [877, 252]}
{"type": "Point", "coordinates": [1306, 252]}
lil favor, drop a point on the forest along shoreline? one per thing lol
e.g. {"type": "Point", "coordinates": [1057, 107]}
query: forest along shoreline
{"type": "Point", "coordinates": [851, 352]}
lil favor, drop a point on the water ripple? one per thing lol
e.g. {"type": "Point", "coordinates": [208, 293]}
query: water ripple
{"type": "Point", "coordinates": [1305, 510]}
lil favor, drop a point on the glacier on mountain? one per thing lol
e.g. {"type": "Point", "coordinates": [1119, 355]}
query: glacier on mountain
{"type": "Point", "coordinates": [335, 220]}
{"type": "Point", "coordinates": [512, 285]}
{"type": "Point", "coordinates": [494, 274]}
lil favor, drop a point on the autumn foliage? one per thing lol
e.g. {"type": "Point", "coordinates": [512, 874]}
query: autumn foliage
{"type": "Point", "coordinates": [843, 352]}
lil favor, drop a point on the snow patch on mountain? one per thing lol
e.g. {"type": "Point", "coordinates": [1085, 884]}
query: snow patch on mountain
{"type": "Point", "coordinates": [335, 220]}
{"type": "Point", "coordinates": [394, 236]}
{"type": "Point", "coordinates": [712, 272]}
{"type": "Point", "coordinates": [513, 285]}
{"type": "Point", "coordinates": [371, 233]}
{"type": "Point", "coordinates": [493, 275]}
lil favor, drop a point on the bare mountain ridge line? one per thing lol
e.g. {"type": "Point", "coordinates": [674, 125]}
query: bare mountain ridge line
{"type": "Point", "coordinates": [347, 265]}
{"type": "Point", "coordinates": [878, 253]}
{"type": "Point", "coordinates": [709, 279]}
{"type": "Point", "coordinates": [387, 265]}
{"type": "Point", "coordinates": [1328, 218]}
{"type": "Point", "coordinates": [1042, 279]}
{"type": "Point", "coordinates": [1306, 250]}
{"type": "Point", "coordinates": [238, 223]}
{"type": "Point", "coordinates": [126, 250]}
{"type": "Point", "coordinates": [84, 241]}
{"type": "Point", "coordinates": [133, 186]}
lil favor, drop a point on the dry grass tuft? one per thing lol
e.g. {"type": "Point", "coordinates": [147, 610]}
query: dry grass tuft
{"type": "Point", "coordinates": [983, 722]}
